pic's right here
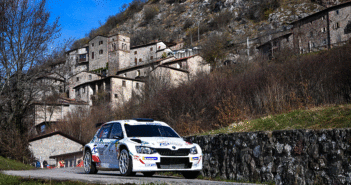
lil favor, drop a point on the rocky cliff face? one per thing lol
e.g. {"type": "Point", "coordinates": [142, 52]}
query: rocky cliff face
{"type": "Point", "coordinates": [169, 20]}
{"type": "Point", "coordinates": [283, 157]}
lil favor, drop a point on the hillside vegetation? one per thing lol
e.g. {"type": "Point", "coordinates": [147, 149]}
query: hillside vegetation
{"type": "Point", "coordinates": [180, 20]}
{"type": "Point", "coordinates": [338, 116]}
{"type": "Point", "coordinates": [246, 91]}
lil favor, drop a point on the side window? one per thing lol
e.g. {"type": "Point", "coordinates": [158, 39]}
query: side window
{"type": "Point", "coordinates": [104, 131]}
{"type": "Point", "coordinates": [116, 130]}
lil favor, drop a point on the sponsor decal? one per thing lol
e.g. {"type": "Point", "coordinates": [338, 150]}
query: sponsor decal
{"type": "Point", "coordinates": [144, 143]}
{"type": "Point", "coordinates": [195, 158]}
{"type": "Point", "coordinates": [150, 165]}
{"type": "Point", "coordinates": [130, 153]}
{"type": "Point", "coordinates": [164, 143]}
{"type": "Point", "coordinates": [195, 165]}
{"type": "Point", "coordinates": [94, 150]}
{"type": "Point", "coordinates": [198, 162]}
{"type": "Point", "coordinates": [142, 162]}
{"type": "Point", "coordinates": [95, 158]}
{"type": "Point", "coordinates": [150, 158]}
{"type": "Point", "coordinates": [187, 143]}
{"type": "Point", "coordinates": [136, 157]}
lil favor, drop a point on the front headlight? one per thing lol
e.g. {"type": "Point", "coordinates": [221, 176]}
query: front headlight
{"type": "Point", "coordinates": [145, 150]}
{"type": "Point", "coordinates": [193, 150]}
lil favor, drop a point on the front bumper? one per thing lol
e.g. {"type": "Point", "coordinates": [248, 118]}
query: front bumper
{"type": "Point", "coordinates": [156, 162]}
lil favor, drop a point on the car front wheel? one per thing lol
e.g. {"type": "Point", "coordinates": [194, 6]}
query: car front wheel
{"type": "Point", "coordinates": [125, 163]}
{"type": "Point", "coordinates": [89, 166]}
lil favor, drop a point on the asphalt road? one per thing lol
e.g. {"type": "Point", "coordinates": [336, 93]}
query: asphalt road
{"type": "Point", "coordinates": [107, 177]}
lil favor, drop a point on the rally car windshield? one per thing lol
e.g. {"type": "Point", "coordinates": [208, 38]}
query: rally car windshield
{"type": "Point", "coordinates": [149, 131]}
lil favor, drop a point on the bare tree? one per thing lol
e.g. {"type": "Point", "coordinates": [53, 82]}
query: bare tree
{"type": "Point", "coordinates": [213, 50]}
{"type": "Point", "coordinates": [25, 36]}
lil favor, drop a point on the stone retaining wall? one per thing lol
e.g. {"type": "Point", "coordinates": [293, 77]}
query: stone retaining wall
{"type": "Point", "coordinates": [283, 157]}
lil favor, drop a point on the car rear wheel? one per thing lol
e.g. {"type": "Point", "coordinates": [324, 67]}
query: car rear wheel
{"type": "Point", "coordinates": [148, 174]}
{"type": "Point", "coordinates": [191, 174]}
{"type": "Point", "coordinates": [89, 165]}
{"type": "Point", "coordinates": [125, 163]}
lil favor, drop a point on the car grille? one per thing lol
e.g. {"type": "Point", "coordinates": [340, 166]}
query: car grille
{"type": "Point", "coordinates": [174, 163]}
{"type": "Point", "coordinates": [179, 152]}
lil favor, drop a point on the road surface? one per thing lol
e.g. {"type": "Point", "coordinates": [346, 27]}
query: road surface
{"type": "Point", "coordinates": [108, 177]}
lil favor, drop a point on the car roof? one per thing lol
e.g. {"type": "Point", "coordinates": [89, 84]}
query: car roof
{"type": "Point", "coordinates": [138, 121]}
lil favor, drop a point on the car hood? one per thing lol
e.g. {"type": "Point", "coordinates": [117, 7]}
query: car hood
{"type": "Point", "coordinates": [162, 142]}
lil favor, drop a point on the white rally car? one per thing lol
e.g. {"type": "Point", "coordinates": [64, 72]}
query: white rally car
{"type": "Point", "coordinates": [141, 145]}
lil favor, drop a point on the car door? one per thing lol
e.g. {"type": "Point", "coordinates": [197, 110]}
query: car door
{"type": "Point", "coordinates": [116, 135]}
{"type": "Point", "coordinates": [103, 143]}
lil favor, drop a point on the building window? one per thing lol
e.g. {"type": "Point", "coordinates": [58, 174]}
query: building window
{"type": "Point", "coordinates": [101, 52]}
{"type": "Point", "coordinates": [140, 60]}
{"type": "Point", "coordinates": [114, 47]}
{"type": "Point", "coordinates": [77, 79]}
{"type": "Point", "coordinates": [311, 34]}
{"type": "Point", "coordinates": [150, 49]}
{"type": "Point", "coordinates": [135, 52]}
{"type": "Point", "coordinates": [136, 61]}
{"type": "Point", "coordinates": [90, 77]}
{"type": "Point", "coordinates": [101, 42]}
{"type": "Point", "coordinates": [42, 128]}
{"type": "Point", "coordinates": [92, 44]}
{"type": "Point", "coordinates": [324, 41]}
{"type": "Point", "coordinates": [137, 85]}
{"type": "Point", "coordinates": [83, 90]}
{"type": "Point", "coordinates": [116, 96]}
{"type": "Point", "coordinates": [323, 30]}
{"type": "Point", "coordinates": [337, 25]}
{"type": "Point", "coordinates": [337, 12]}
{"type": "Point", "coordinates": [152, 57]}
{"type": "Point", "coordinates": [138, 73]}
{"type": "Point", "coordinates": [92, 55]}
{"type": "Point", "coordinates": [123, 83]}
{"type": "Point", "coordinates": [125, 75]}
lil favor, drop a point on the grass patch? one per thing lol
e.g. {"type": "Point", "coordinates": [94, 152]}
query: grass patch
{"type": "Point", "coordinates": [9, 164]}
{"type": "Point", "coordinates": [316, 118]}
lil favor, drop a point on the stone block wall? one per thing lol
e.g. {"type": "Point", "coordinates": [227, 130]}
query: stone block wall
{"type": "Point", "coordinates": [283, 157]}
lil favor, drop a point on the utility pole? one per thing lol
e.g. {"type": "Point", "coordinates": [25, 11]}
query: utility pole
{"type": "Point", "coordinates": [248, 48]}
{"type": "Point", "coordinates": [198, 32]}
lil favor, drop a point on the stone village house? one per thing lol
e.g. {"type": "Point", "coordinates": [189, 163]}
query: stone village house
{"type": "Point", "coordinates": [51, 148]}
{"type": "Point", "coordinates": [322, 30]}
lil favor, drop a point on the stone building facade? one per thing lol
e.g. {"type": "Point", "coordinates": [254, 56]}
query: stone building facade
{"type": "Point", "coordinates": [98, 53]}
{"type": "Point", "coordinates": [47, 113]}
{"type": "Point", "coordinates": [52, 144]}
{"type": "Point", "coordinates": [78, 79]}
{"type": "Point", "coordinates": [323, 30]}
{"type": "Point", "coordinates": [77, 60]}
{"type": "Point", "coordinates": [115, 89]}
{"type": "Point", "coordinates": [117, 72]}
